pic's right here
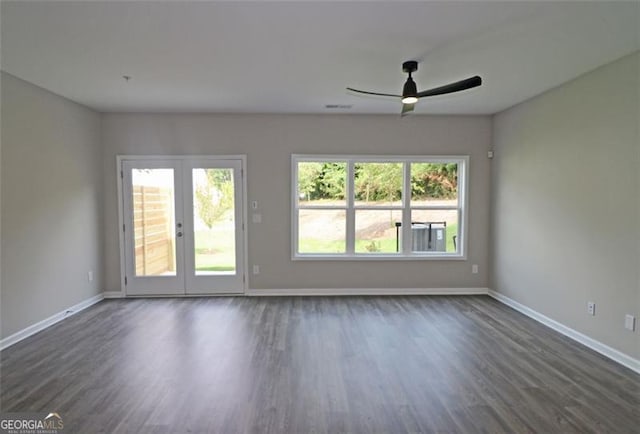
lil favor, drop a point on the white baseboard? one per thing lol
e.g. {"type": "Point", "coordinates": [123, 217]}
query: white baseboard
{"type": "Point", "coordinates": [364, 291]}
{"type": "Point", "coordinates": [48, 322]}
{"type": "Point", "coordinates": [605, 350]}
{"type": "Point", "coordinates": [317, 292]}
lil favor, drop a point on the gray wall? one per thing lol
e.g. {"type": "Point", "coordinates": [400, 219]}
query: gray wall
{"type": "Point", "coordinates": [566, 203]}
{"type": "Point", "coordinates": [51, 182]}
{"type": "Point", "coordinates": [269, 141]}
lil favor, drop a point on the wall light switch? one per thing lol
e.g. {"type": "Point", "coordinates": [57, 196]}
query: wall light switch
{"type": "Point", "coordinates": [630, 322]}
{"type": "Point", "coordinates": [254, 204]}
{"type": "Point", "coordinates": [474, 268]}
{"type": "Point", "coordinates": [591, 308]}
{"type": "Point", "coordinates": [256, 269]}
{"type": "Point", "coordinates": [257, 218]}
{"type": "Point", "coordinates": [90, 276]}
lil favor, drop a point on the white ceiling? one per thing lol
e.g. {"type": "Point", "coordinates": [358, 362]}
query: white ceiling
{"type": "Point", "coordinates": [297, 57]}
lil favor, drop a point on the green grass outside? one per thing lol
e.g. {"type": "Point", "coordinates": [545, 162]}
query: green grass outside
{"type": "Point", "coordinates": [216, 268]}
{"type": "Point", "coordinates": [215, 250]}
{"type": "Point", "coordinates": [384, 245]}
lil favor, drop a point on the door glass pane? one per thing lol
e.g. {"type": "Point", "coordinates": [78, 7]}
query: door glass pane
{"type": "Point", "coordinates": [154, 222]}
{"type": "Point", "coordinates": [378, 231]}
{"type": "Point", "coordinates": [322, 230]}
{"type": "Point", "coordinates": [434, 231]}
{"type": "Point", "coordinates": [214, 221]}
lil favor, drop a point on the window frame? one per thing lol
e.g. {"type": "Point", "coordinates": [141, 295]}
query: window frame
{"type": "Point", "coordinates": [350, 209]}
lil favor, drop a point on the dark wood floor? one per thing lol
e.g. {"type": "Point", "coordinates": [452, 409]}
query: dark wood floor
{"type": "Point", "coordinates": [326, 364]}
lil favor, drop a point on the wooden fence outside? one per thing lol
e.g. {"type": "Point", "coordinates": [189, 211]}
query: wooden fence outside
{"type": "Point", "coordinates": [153, 225]}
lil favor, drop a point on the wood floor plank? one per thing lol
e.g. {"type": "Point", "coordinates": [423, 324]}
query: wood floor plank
{"type": "Point", "coordinates": [415, 364]}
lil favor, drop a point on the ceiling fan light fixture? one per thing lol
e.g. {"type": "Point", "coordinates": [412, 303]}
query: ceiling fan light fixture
{"type": "Point", "coordinates": [409, 99]}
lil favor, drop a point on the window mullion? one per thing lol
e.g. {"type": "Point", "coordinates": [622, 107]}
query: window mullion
{"type": "Point", "coordinates": [351, 214]}
{"type": "Point", "coordinates": [406, 210]}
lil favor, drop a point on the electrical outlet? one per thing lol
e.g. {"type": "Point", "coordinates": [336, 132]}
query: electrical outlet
{"type": "Point", "coordinates": [591, 308]}
{"type": "Point", "coordinates": [90, 276]}
{"type": "Point", "coordinates": [474, 268]}
{"type": "Point", "coordinates": [256, 269]}
{"type": "Point", "coordinates": [630, 322]}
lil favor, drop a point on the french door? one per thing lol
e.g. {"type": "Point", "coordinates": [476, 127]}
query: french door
{"type": "Point", "coordinates": [183, 226]}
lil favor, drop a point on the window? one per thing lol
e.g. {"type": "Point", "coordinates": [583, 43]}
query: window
{"type": "Point", "coordinates": [382, 207]}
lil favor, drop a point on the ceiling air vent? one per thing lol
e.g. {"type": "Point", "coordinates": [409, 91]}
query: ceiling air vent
{"type": "Point", "coordinates": [338, 106]}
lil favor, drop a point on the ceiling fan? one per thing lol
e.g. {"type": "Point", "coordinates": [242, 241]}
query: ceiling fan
{"type": "Point", "coordinates": [410, 94]}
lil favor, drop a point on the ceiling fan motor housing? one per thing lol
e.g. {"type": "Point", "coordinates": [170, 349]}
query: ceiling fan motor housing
{"type": "Point", "coordinates": [410, 88]}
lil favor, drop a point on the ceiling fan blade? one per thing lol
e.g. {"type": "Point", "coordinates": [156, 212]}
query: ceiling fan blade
{"type": "Point", "coordinates": [452, 87]}
{"type": "Point", "coordinates": [372, 93]}
{"type": "Point", "coordinates": [406, 108]}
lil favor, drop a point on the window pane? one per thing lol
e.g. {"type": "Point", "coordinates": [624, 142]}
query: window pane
{"type": "Point", "coordinates": [154, 222]}
{"type": "Point", "coordinates": [376, 231]}
{"type": "Point", "coordinates": [434, 231]}
{"type": "Point", "coordinates": [434, 184]}
{"type": "Point", "coordinates": [378, 184]}
{"type": "Point", "coordinates": [322, 183]}
{"type": "Point", "coordinates": [321, 231]}
{"type": "Point", "coordinates": [214, 221]}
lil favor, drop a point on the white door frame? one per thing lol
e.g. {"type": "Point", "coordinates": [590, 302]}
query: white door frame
{"type": "Point", "coordinates": [122, 219]}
